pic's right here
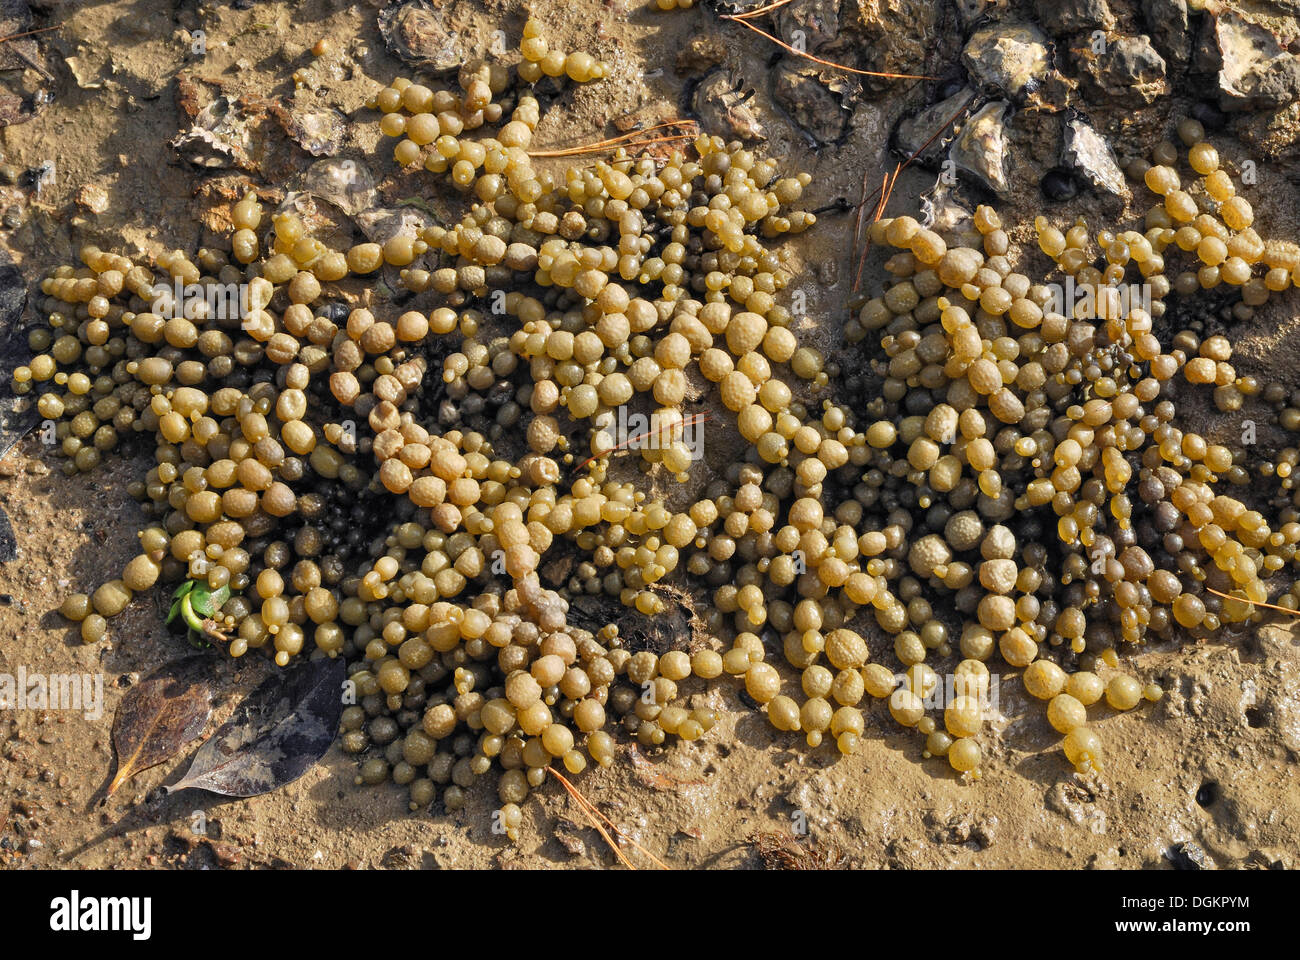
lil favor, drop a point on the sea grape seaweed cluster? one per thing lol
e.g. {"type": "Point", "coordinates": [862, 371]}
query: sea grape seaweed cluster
{"type": "Point", "coordinates": [413, 453]}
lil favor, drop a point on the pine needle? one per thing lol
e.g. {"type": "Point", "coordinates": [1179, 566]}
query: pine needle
{"type": "Point", "coordinates": [1254, 603]}
{"type": "Point", "coordinates": [882, 191]}
{"type": "Point", "coordinates": [593, 812]}
{"type": "Point", "coordinates": [622, 140]}
{"type": "Point", "coordinates": [584, 806]}
{"type": "Point", "coordinates": [826, 63]}
{"type": "Point", "coordinates": [760, 11]}
{"type": "Point", "coordinates": [595, 148]}
{"type": "Point", "coordinates": [884, 200]}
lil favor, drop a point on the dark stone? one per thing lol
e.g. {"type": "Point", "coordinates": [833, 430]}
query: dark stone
{"type": "Point", "coordinates": [1170, 32]}
{"type": "Point", "coordinates": [1058, 185]}
{"type": "Point", "coordinates": [1209, 116]}
{"type": "Point", "coordinates": [950, 86]}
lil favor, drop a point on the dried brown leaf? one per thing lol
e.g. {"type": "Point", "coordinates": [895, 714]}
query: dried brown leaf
{"type": "Point", "coordinates": [159, 716]}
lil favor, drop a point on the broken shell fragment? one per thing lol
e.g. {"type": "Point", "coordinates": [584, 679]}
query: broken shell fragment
{"type": "Point", "coordinates": [913, 132]}
{"type": "Point", "coordinates": [219, 137]}
{"type": "Point", "coordinates": [324, 220]}
{"type": "Point", "coordinates": [319, 132]}
{"type": "Point", "coordinates": [416, 33]}
{"type": "Point", "coordinates": [1086, 151]}
{"type": "Point", "coordinates": [1257, 72]}
{"type": "Point", "coordinates": [1009, 59]}
{"type": "Point", "coordinates": [721, 103]}
{"type": "Point", "coordinates": [944, 212]}
{"type": "Point", "coordinates": [980, 149]}
{"type": "Point", "coordinates": [346, 183]}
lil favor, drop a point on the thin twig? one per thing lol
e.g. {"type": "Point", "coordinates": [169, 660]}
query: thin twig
{"type": "Point", "coordinates": [866, 249]}
{"type": "Point", "coordinates": [826, 63]}
{"type": "Point", "coordinates": [857, 223]}
{"type": "Point", "coordinates": [893, 182]}
{"type": "Point", "coordinates": [612, 825]}
{"type": "Point", "coordinates": [1256, 603]}
{"type": "Point", "coordinates": [28, 33]}
{"type": "Point", "coordinates": [640, 130]}
{"type": "Point", "coordinates": [889, 192]}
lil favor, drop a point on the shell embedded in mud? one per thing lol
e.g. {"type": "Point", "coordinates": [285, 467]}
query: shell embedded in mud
{"type": "Point", "coordinates": [980, 149]}
{"type": "Point", "coordinates": [348, 184]}
{"type": "Point", "coordinates": [1010, 59]}
{"type": "Point", "coordinates": [1126, 70]}
{"type": "Point", "coordinates": [381, 224]}
{"type": "Point", "coordinates": [738, 6]}
{"type": "Point", "coordinates": [417, 33]}
{"type": "Point", "coordinates": [945, 212]}
{"type": "Point", "coordinates": [1072, 16]}
{"type": "Point", "coordinates": [328, 223]}
{"type": "Point", "coordinates": [319, 132]}
{"type": "Point", "coordinates": [721, 102]}
{"type": "Point", "coordinates": [219, 137]}
{"type": "Point", "coordinates": [913, 132]}
{"type": "Point", "coordinates": [1257, 72]}
{"type": "Point", "coordinates": [817, 20]}
{"type": "Point", "coordinates": [814, 101]}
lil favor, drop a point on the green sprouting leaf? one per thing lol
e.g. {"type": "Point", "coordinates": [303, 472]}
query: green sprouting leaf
{"type": "Point", "coordinates": [183, 589]}
{"type": "Point", "coordinates": [174, 612]}
{"type": "Point", "coordinates": [206, 601]}
{"type": "Point", "coordinates": [199, 598]}
{"type": "Point", "coordinates": [187, 611]}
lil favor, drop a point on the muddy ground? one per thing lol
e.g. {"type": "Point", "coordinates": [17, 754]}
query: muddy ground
{"type": "Point", "coordinates": [1213, 764]}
